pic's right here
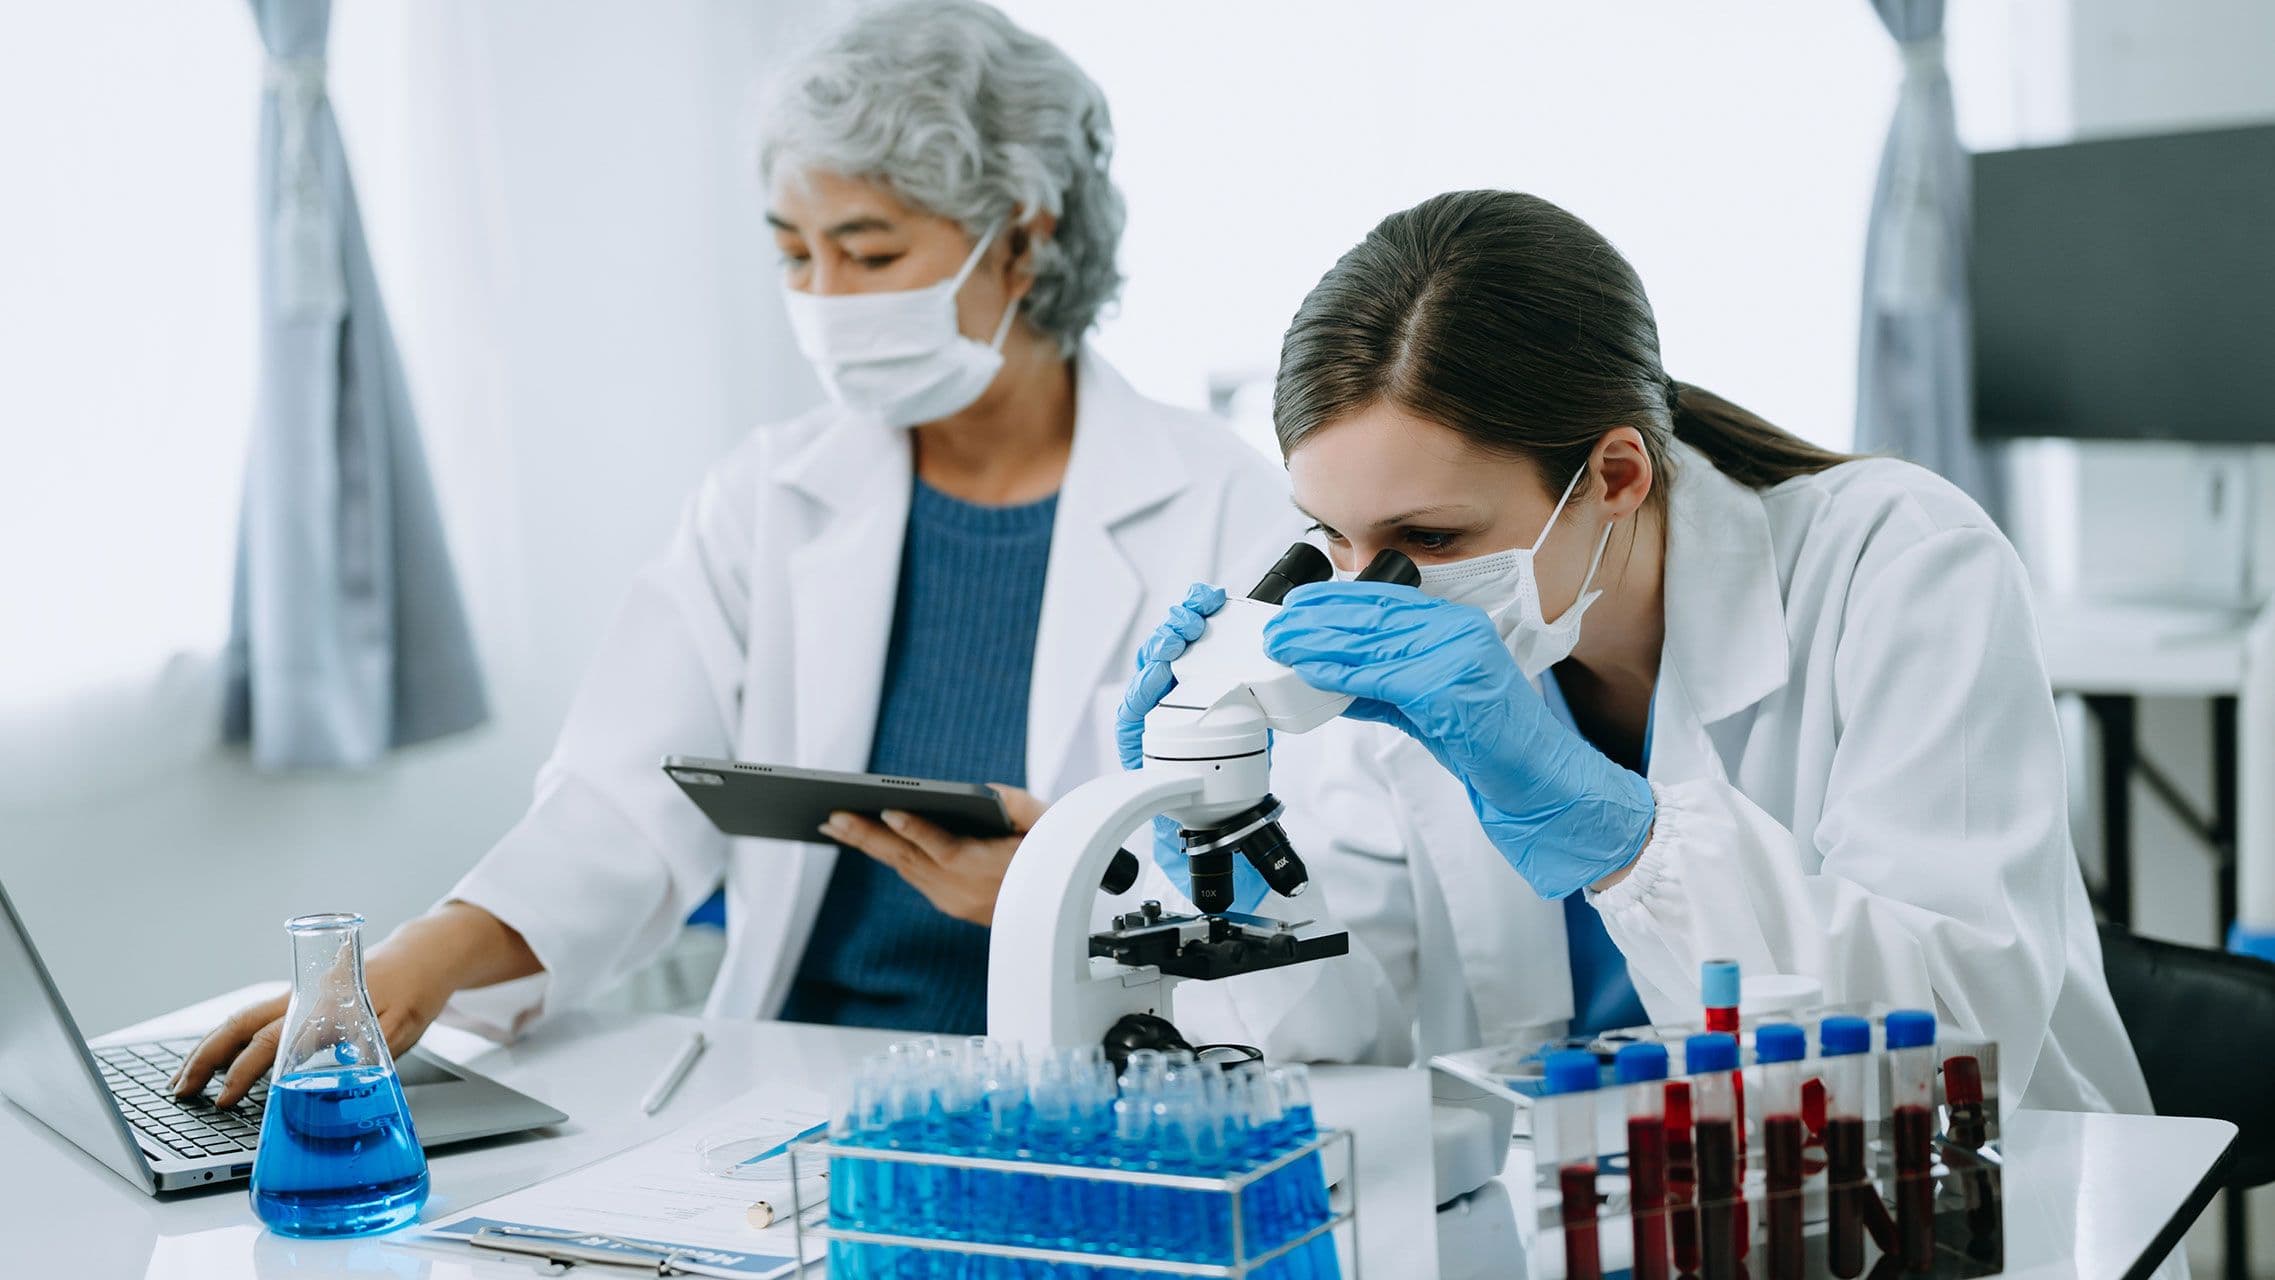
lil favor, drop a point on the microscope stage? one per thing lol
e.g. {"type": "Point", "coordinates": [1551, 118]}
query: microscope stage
{"type": "Point", "coordinates": [1206, 947]}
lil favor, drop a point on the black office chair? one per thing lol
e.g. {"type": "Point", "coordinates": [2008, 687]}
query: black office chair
{"type": "Point", "coordinates": [2177, 1002]}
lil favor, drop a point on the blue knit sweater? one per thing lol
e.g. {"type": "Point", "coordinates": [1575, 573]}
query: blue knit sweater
{"type": "Point", "coordinates": [954, 706]}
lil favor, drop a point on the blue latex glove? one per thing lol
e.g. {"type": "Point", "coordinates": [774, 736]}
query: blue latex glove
{"type": "Point", "coordinates": [1155, 678]}
{"type": "Point", "coordinates": [1558, 809]}
{"type": "Point", "coordinates": [1187, 620]}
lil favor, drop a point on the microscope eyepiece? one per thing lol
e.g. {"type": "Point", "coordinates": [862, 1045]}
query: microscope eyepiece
{"type": "Point", "coordinates": [1303, 563]}
{"type": "Point", "coordinates": [1390, 565]}
{"type": "Point", "coordinates": [1121, 873]}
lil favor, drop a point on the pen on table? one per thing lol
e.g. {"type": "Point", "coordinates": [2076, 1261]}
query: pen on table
{"type": "Point", "coordinates": [813, 1131]}
{"type": "Point", "coordinates": [667, 1084]}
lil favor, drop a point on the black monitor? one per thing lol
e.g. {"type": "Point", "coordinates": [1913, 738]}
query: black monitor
{"type": "Point", "coordinates": [2125, 289]}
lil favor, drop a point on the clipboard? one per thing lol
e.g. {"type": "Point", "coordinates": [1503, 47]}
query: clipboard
{"type": "Point", "coordinates": [662, 1207]}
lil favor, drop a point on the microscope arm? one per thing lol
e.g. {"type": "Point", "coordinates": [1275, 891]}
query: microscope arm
{"type": "Point", "coordinates": [1226, 674]}
{"type": "Point", "coordinates": [1040, 987]}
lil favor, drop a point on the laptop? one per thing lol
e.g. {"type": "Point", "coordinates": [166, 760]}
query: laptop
{"type": "Point", "coordinates": [112, 1102]}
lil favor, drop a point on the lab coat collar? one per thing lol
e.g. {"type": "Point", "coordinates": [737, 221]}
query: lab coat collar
{"type": "Point", "coordinates": [1115, 472]}
{"type": "Point", "coordinates": [1111, 473]}
{"type": "Point", "coordinates": [1726, 645]}
{"type": "Point", "coordinates": [1093, 590]}
{"type": "Point", "coordinates": [840, 467]}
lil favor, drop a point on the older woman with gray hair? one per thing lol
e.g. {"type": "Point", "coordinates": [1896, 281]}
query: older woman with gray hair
{"type": "Point", "coordinates": [942, 573]}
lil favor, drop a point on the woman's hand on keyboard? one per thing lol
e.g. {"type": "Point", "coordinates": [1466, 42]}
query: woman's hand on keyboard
{"type": "Point", "coordinates": [410, 977]}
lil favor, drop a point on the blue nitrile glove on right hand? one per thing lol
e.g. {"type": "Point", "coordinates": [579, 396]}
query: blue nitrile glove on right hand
{"type": "Point", "coordinates": [1154, 679]}
{"type": "Point", "coordinates": [1558, 809]}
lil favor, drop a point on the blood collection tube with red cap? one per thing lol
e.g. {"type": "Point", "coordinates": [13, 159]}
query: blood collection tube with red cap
{"type": "Point", "coordinates": [1570, 1109]}
{"type": "Point", "coordinates": [1641, 1067]}
{"type": "Point", "coordinates": [1720, 989]}
{"type": "Point", "coordinates": [1842, 1043]}
{"type": "Point", "coordinates": [1910, 1036]}
{"type": "Point", "coordinates": [1779, 1048]}
{"type": "Point", "coordinates": [1719, 985]}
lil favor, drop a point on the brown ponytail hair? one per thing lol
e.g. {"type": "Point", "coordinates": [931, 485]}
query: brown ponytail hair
{"type": "Point", "coordinates": [1507, 319]}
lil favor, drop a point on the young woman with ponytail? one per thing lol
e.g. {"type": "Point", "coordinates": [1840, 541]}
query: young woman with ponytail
{"type": "Point", "coordinates": [1805, 724]}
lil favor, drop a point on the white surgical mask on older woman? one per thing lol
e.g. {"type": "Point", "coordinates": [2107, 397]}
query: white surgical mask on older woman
{"type": "Point", "coordinates": [899, 356]}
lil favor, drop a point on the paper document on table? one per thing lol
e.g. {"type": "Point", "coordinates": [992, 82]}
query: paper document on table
{"type": "Point", "coordinates": [714, 1195]}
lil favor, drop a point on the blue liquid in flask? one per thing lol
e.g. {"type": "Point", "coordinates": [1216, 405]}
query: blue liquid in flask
{"type": "Point", "coordinates": [338, 1156]}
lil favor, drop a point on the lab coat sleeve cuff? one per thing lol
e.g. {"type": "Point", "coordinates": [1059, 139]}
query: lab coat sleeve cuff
{"type": "Point", "coordinates": [500, 1012]}
{"type": "Point", "coordinates": [1649, 876]}
{"type": "Point", "coordinates": [1699, 890]}
{"type": "Point", "coordinates": [577, 881]}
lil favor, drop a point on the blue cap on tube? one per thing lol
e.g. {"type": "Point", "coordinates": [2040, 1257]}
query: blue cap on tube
{"type": "Point", "coordinates": [1714, 1051]}
{"type": "Point", "coordinates": [1639, 1062]}
{"type": "Point", "coordinates": [1909, 1028]}
{"type": "Point", "coordinates": [1780, 1042]}
{"type": "Point", "coordinates": [1718, 984]}
{"type": "Point", "coordinates": [1571, 1071]}
{"type": "Point", "coordinates": [1844, 1034]}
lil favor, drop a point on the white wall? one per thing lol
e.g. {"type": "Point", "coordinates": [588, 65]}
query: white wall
{"type": "Point", "coordinates": [125, 230]}
{"type": "Point", "coordinates": [1729, 151]}
{"type": "Point", "coordinates": [2141, 68]}
{"type": "Point", "coordinates": [565, 224]}
{"type": "Point", "coordinates": [2136, 69]}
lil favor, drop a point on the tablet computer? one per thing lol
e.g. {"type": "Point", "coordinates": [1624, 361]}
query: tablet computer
{"type": "Point", "coordinates": [778, 802]}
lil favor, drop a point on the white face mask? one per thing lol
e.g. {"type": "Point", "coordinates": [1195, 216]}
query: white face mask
{"type": "Point", "coordinates": [1503, 584]}
{"type": "Point", "coordinates": [899, 356]}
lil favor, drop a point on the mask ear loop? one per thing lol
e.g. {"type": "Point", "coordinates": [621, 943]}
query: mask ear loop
{"type": "Point", "coordinates": [1552, 516]}
{"type": "Point", "coordinates": [979, 251]}
{"type": "Point", "coordinates": [1594, 562]}
{"type": "Point", "coordinates": [1003, 327]}
{"type": "Point", "coordinates": [1011, 308]}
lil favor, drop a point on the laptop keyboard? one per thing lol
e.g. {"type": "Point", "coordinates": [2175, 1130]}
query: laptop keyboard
{"type": "Point", "coordinates": [193, 1129]}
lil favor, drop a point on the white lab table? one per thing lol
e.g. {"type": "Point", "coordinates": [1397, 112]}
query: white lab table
{"type": "Point", "coordinates": [2113, 654]}
{"type": "Point", "coordinates": [2086, 1195]}
{"type": "Point", "coordinates": [64, 1216]}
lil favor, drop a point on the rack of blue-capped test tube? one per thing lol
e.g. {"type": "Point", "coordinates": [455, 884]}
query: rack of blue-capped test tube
{"type": "Point", "coordinates": [973, 1159]}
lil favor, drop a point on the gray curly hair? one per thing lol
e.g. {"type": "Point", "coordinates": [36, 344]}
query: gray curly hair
{"type": "Point", "coordinates": [961, 113]}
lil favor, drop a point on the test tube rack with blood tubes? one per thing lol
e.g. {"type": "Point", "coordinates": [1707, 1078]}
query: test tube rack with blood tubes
{"type": "Point", "coordinates": [1871, 1149]}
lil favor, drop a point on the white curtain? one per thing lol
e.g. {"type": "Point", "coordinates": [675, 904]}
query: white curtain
{"type": "Point", "coordinates": [1914, 387]}
{"type": "Point", "coordinates": [564, 202]}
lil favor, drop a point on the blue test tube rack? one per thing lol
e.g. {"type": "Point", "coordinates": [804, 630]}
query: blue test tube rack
{"type": "Point", "coordinates": [964, 1159]}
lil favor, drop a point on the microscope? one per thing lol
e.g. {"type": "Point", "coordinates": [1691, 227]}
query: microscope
{"type": "Point", "coordinates": [1055, 981]}
{"type": "Point", "coordinates": [1052, 979]}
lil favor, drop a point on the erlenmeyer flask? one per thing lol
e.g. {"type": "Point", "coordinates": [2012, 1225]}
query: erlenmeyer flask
{"type": "Point", "coordinates": [338, 1156]}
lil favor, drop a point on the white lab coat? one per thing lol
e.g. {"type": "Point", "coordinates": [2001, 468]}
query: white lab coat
{"type": "Point", "coordinates": [761, 635]}
{"type": "Point", "coordinates": [1859, 778]}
